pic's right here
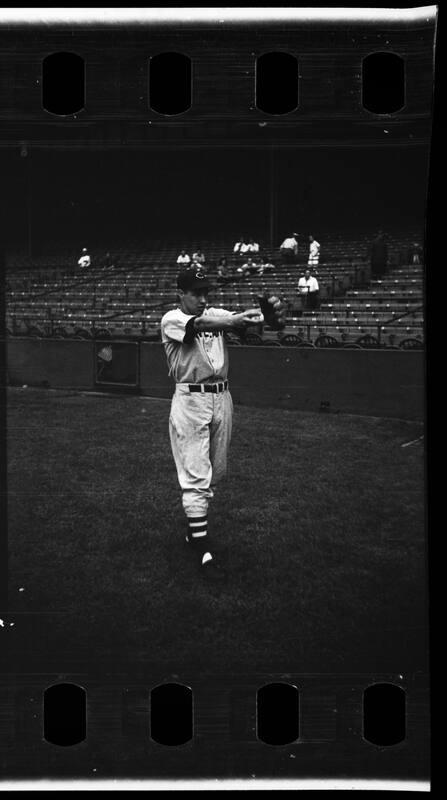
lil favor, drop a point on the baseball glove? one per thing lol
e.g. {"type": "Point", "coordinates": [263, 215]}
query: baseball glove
{"type": "Point", "coordinates": [274, 311]}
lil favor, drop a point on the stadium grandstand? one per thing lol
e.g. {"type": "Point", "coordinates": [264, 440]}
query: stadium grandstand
{"type": "Point", "coordinates": [51, 296]}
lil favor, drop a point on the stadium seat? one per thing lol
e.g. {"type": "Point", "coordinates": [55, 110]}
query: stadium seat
{"type": "Point", "coordinates": [324, 340]}
{"type": "Point", "coordinates": [290, 340]}
{"type": "Point", "coordinates": [33, 330]}
{"type": "Point", "coordinates": [82, 333]}
{"type": "Point", "coordinates": [232, 339]}
{"type": "Point", "coordinates": [59, 333]}
{"type": "Point", "coordinates": [368, 341]}
{"type": "Point", "coordinates": [252, 339]}
{"type": "Point", "coordinates": [411, 344]}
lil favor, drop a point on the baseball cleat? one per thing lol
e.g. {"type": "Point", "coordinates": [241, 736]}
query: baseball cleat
{"type": "Point", "coordinates": [211, 570]}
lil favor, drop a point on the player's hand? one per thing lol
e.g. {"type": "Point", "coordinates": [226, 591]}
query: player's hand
{"type": "Point", "coordinates": [251, 316]}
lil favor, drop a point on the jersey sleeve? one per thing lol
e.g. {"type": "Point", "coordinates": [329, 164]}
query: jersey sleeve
{"type": "Point", "coordinates": [219, 312]}
{"type": "Point", "coordinates": [178, 326]}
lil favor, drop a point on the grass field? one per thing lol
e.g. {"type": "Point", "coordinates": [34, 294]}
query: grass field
{"type": "Point", "coordinates": [321, 521]}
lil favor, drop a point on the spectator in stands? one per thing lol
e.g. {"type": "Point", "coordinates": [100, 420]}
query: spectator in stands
{"type": "Point", "coordinates": [250, 268]}
{"type": "Point", "coordinates": [183, 258]}
{"type": "Point", "coordinates": [238, 245]}
{"type": "Point", "coordinates": [198, 257]}
{"type": "Point", "coordinates": [308, 289]}
{"type": "Point", "coordinates": [252, 246]}
{"type": "Point", "coordinates": [379, 256]}
{"type": "Point", "coordinates": [85, 260]}
{"type": "Point", "coordinates": [314, 252]}
{"type": "Point", "coordinates": [265, 266]}
{"type": "Point", "coordinates": [415, 253]}
{"type": "Point", "coordinates": [223, 270]}
{"type": "Point", "coordinates": [289, 247]}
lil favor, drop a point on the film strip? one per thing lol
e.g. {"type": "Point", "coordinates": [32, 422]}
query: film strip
{"type": "Point", "coordinates": [224, 729]}
{"type": "Point", "coordinates": [149, 134]}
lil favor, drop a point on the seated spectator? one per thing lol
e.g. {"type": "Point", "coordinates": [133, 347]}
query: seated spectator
{"type": "Point", "coordinates": [265, 266]}
{"type": "Point", "coordinates": [238, 245]}
{"type": "Point", "coordinates": [223, 270]}
{"type": "Point", "coordinates": [308, 290]}
{"type": "Point", "coordinates": [252, 246]}
{"type": "Point", "coordinates": [250, 268]}
{"type": "Point", "coordinates": [289, 247]}
{"type": "Point", "coordinates": [84, 260]}
{"type": "Point", "coordinates": [314, 252]}
{"type": "Point", "coordinates": [183, 258]}
{"type": "Point", "coordinates": [198, 256]}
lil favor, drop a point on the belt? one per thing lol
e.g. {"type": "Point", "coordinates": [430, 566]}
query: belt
{"type": "Point", "coordinates": [208, 387]}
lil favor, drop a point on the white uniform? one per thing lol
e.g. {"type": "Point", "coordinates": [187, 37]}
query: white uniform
{"type": "Point", "coordinates": [314, 254]}
{"type": "Point", "coordinates": [200, 421]}
{"type": "Point", "coordinates": [84, 261]}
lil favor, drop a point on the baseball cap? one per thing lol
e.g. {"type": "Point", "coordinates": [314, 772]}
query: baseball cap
{"type": "Point", "coordinates": [192, 279]}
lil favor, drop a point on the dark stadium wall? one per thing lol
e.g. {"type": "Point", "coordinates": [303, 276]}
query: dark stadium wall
{"type": "Point", "coordinates": [52, 363]}
{"type": "Point", "coordinates": [369, 382]}
{"type": "Point", "coordinates": [372, 382]}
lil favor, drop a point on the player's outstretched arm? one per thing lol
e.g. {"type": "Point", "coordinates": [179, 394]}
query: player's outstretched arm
{"type": "Point", "coordinates": [251, 316]}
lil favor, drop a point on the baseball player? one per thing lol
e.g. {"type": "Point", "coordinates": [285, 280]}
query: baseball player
{"type": "Point", "coordinates": [200, 420]}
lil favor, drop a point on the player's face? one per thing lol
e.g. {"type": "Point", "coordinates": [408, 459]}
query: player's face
{"type": "Point", "coordinates": [194, 301]}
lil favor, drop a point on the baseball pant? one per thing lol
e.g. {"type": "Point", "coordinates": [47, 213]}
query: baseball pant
{"type": "Point", "coordinates": [200, 425]}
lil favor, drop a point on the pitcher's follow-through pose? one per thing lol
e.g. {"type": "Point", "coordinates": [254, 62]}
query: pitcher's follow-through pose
{"type": "Point", "coordinates": [200, 421]}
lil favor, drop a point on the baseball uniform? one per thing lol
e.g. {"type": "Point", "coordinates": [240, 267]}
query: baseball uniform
{"type": "Point", "coordinates": [200, 420]}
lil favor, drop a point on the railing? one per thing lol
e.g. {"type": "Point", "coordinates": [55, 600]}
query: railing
{"type": "Point", "coordinates": [396, 319]}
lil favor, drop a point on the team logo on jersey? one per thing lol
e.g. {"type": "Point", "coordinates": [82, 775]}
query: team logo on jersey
{"type": "Point", "coordinates": [200, 275]}
{"type": "Point", "coordinates": [207, 336]}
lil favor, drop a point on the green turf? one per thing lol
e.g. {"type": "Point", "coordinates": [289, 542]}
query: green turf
{"type": "Point", "coordinates": [321, 520]}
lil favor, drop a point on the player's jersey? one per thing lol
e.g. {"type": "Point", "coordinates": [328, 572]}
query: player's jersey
{"type": "Point", "coordinates": [204, 359]}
